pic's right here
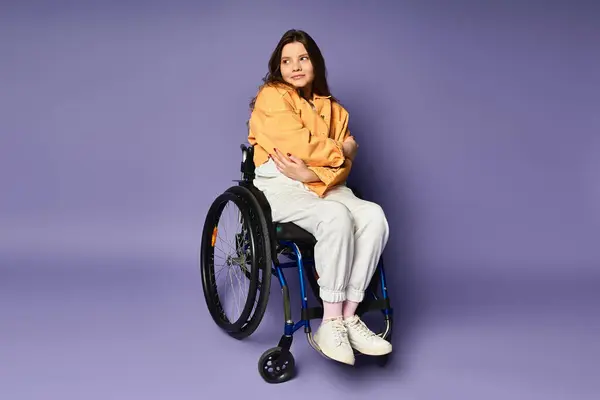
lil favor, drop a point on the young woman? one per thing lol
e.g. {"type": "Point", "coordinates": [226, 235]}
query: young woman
{"type": "Point", "coordinates": [303, 152]}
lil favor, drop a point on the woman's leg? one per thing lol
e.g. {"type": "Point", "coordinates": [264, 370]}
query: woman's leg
{"type": "Point", "coordinates": [349, 308]}
{"type": "Point", "coordinates": [332, 310]}
{"type": "Point", "coordinates": [371, 232]}
{"type": "Point", "coordinates": [332, 225]}
{"type": "Point", "coordinates": [371, 236]}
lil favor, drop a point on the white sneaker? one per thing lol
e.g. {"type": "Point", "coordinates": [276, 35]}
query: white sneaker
{"type": "Point", "coordinates": [332, 339]}
{"type": "Point", "coordinates": [362, 339]}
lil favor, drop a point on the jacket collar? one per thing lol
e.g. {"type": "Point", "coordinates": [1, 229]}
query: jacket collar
{"type": "Point", "coordinates": [289, 89]}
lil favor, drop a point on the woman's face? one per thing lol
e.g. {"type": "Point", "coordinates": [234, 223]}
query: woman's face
{"type": "Point", "coordinates": [296, 67]}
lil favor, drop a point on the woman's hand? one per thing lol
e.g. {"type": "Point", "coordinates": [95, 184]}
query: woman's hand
{"type": "Point", "coordinates": [350, 147]}
{"type": "Point", "coordinates": [293, 167]}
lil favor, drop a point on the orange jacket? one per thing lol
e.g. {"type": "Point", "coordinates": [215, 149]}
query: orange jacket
{"type": "Point", "coordinates": [284, 120]}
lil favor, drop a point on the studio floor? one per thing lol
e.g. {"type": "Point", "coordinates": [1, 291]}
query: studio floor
{"type": "Point", "coordinates": [75, 328]}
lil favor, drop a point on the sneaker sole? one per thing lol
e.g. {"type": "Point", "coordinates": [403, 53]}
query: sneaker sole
{"type": "Point", "coordinates": [347, 362]}
{"type": "Point", "coordinates": [373, 352]}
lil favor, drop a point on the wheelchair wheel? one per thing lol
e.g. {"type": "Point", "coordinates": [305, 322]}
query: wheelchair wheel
{"type": "Point", "coordinates": [242, 262]}
{"type": "Point", "coordinates": [275, 366]}
{"type": "Point", "coordinates": [264, 260]}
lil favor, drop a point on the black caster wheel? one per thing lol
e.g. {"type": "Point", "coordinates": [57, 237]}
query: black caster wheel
{"type": "Point", "coordinates": [274, 367]}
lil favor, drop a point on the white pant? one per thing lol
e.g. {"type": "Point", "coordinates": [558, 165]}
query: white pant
{"type": "Point", "coordinates": [351, 233]}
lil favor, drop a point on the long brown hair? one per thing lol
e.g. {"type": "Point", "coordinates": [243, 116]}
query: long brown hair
{"type": "Point", "coordinates": [319, 85]}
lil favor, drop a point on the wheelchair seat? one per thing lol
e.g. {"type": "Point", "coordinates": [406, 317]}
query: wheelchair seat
{"type": "Point", "coordinates": [291, 232]}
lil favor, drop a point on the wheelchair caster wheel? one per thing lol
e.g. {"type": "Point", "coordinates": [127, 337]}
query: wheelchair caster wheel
{"type": "Point", "coordinates": [275, 367]}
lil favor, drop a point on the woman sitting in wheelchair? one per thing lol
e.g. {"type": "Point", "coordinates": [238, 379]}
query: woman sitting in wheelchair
{"type": "Point", "coordinates": [303, 152]}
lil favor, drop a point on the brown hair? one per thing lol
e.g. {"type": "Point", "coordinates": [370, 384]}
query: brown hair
{"type": "Point", "coordinates": [319, 86]}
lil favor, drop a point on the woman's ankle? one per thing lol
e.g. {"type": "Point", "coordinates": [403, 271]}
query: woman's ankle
{"type": "Point", "coordinates": [349, 309]}
{"type": "Point", "coordinates": [332, 310]}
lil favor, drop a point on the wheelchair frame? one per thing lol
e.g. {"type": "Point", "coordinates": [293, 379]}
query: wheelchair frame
{"type": "Point", "coordinates": [277, 365]}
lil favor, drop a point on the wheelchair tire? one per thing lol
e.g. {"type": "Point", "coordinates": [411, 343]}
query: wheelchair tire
{"type": "Point", "coordinates": [264, 261]}
{"type": "Point", "coordinates": [270, 371]}
{"type": "Point", "coordinates": [248, 321]}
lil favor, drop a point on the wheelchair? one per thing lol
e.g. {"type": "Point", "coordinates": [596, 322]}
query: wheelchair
{"type": "Point", "coordinates": [253, 257]}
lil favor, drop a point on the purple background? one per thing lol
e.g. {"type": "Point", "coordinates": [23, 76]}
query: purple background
{"type": "Point", "coordinates": [120, 122]}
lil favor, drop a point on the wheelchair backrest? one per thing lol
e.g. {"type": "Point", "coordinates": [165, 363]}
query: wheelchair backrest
{"type": "Point", "coordinates": [247, 166]}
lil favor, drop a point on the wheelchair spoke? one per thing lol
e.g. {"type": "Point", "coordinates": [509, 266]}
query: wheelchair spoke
{"type": "Point", "coordinates": [241, 285]}
{"type": "Point", "coordinates": [230, 245]}
{"type": "Point", "coordinates": [229, 272]}
{"type": "Point", "coordinates": [232, 253]}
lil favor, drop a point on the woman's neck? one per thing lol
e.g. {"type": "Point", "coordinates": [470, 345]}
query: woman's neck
{"type": "Point", "coordinates": [307, 92]}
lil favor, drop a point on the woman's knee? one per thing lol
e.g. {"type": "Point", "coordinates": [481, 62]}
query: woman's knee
{"type": "Point", "coordinates": [375, 215]}
{"type": "Point", "coordinates": [336, 217]}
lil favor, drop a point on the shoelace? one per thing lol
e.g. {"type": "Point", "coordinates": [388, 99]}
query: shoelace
{"type": "Point", "coordinates": [340, 333]}
{"type": "Point", "coordinates": [362, 328]}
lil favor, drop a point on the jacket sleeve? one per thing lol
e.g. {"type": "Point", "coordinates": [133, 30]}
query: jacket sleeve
{"type": "Point", "coordinates": [275, 124]}
{"type": "Point", "coordinates": [331, 176]}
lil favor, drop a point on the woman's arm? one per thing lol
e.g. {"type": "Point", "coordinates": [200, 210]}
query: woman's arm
{"type": "Point", "coordinates": [333, 176]}
{"type": "Point", "coordinates": [275, 125]}
{"type": "Point", "coordinates": [294, 168]}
